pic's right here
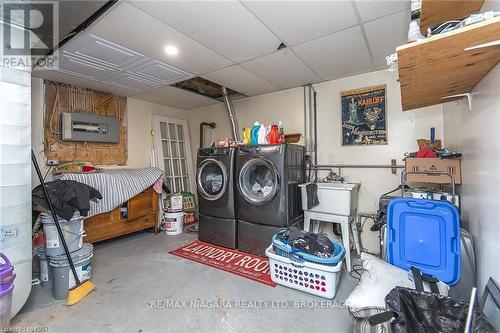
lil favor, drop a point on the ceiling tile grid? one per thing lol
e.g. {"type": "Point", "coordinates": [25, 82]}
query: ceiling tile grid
{"type": "Point", "coordinates": [179, 98]}
{"type": "Point", "coordinates": [337, 55]}
{"type": "Point", "coordinates": [92, 57]}
{"type": "Point", "coordinates": [241, 80]}
{"type": "Point", "coordinates": [223, 26]}
{"type": "Point", "coordinates": [385, 34]}
{"type": "Point", "coordinates": [282, 68]}
{"type": "Point", "coordinates": [148, 35]}
{"type": "Point", "coordinates": [299, 21]}
{"type": "Point", "coordinates": [371, 10]}
{"type": "Point", "coordinates": [235, 44]}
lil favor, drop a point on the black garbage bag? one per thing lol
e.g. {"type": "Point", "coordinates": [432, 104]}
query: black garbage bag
{"type": "Point", "coordinates": [315, 244]}
{"type": "Point", "coordinates": [415, 311]}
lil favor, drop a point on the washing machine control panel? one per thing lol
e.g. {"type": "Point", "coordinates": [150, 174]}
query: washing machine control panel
{"type": "Point", "coordinates": [214, 151]}
{"type": "Point", "coordinates": [260, 149]}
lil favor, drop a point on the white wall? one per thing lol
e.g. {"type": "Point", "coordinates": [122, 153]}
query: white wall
{"type": "Point", "coordinates": [475, 134]}
{"type": "Point", "coordinates": [140, 140]}
{"type": "Point", "coordinates": [404, 129]}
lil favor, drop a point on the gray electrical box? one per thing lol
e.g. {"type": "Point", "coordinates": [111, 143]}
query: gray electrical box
{"type": "Point", "coordinates": [82, 126]}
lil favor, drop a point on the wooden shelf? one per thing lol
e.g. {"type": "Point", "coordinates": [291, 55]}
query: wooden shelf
{"type": "Point", "coordinates": [438, 11]}
{"type": "Point", "coordinates": [439, 66]}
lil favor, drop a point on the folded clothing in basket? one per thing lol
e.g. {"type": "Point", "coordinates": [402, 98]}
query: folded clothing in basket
{"type": "Point", "coordinates": [315, 244]}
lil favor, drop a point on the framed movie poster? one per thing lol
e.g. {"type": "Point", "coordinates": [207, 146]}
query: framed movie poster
{"type": "Point", "coordinates": [364, 116]}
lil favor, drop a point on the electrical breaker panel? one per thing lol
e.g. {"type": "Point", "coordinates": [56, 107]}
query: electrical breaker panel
{"type": "Point", "coordinates": [82, 126]}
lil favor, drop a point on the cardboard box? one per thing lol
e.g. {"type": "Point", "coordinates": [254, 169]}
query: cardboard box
{"type": "Point", "coordinates": [430, 165]}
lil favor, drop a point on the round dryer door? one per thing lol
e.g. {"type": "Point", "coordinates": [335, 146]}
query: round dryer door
{"type": "Point", "coordinates": [211, 179]}
{"type": "Point", "coordinates": [258, 181]}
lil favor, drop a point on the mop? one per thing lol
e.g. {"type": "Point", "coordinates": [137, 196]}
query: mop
{"type": "Point", "coordinates": [81, 288]}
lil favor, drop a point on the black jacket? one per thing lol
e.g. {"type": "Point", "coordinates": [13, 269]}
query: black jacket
{"type": "Point", "coordinates": [67, 196]}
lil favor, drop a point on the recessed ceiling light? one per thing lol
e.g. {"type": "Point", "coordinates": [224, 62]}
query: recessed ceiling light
{"type": "Point", "coordinates": [171, 50]}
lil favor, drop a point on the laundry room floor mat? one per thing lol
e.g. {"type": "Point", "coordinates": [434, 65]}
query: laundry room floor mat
{"type": "Point", "coordinates": [233, 261]}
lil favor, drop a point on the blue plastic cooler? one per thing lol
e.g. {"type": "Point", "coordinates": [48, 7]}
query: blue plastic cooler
{"type": "Point", "coordinates": [425, 234]}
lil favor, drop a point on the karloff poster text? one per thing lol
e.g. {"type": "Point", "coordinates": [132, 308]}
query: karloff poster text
{"type": "Point", "coordinates": [364, 116]}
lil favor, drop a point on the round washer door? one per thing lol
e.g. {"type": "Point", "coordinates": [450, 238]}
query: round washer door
{"type": "Point", "coordinates": [258, 181]}
{"type": "Point", "coordinates": [211, 179]}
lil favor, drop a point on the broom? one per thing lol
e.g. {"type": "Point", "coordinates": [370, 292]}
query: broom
{"type": "Point", "coordinates": [81, 288]}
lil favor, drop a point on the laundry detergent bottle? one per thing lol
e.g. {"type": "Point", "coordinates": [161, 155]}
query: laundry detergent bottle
{"type": "Point", "coordinates": [261, 136]}
{"type": "Point", "coordinates": [247, 136]}
{"type": "Point", "coordinates": [273, 134]}
{"type": "Point", "coordinates": [254, 133]}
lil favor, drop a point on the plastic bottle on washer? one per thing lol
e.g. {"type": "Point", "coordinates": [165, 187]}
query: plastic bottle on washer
{"type": "Point", "coordinates": [262, 135]}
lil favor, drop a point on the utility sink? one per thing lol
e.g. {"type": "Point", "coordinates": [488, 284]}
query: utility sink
{"type": "Point", "coordinates": [334, 198]}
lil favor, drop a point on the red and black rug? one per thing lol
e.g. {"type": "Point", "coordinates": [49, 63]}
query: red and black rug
{"type": "Point", "coordinates": [233, 261]}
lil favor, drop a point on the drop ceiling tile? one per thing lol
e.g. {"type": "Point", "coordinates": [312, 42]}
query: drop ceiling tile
{"type": "Point", "coordinates": [133, 81]}
{"type": "Point", "coordinates": [134, 29]}
{"type": "Point", "coordinates": [370, 10]}
{"type": "Point", "coordinates": [100, 51]}
{"type": "Point", "coordinates": [241, 80]}
{"type": "Point", "coordinates": [177, 97]}
{"type": "Point", "coordinates": [341, 54]}
{"type": "Point", "coordinates": [98, 59]}
{"type": "Point", "coordinates": [385, 34]}
{"type": "Point", "coordinates": [282, 68]}
{"type": "Point", "coordinates": [162, 101]}
{"type": "Point", "coordinates": [80, 67]}
{"type": "Point", "coordinates": [298, 21]}
{"type": "Point", "coordinates": [82, 82]}
{"type": "Point", "coordinates": [224, 26]}
{"type": "Point", "coordinates": [161, 72]}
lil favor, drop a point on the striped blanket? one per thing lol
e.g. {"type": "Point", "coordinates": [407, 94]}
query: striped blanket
{"type": "Point", "coordinates": [116, 185]}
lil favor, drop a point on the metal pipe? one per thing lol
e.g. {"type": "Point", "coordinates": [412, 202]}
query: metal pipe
{"type": "Point", "coordinates": [306, 139]}
{"type": "Point", "coordinates": [232, 118]}
{"type": "Point", "coordinates": [356, 166]}
{"type": "Point", "coordinates": [315, 134]}
{"type": "Point", "coordinates": [310, 123]}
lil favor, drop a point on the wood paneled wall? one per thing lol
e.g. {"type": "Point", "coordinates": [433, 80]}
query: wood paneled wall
{"type": "Point", "coordinates": [60, 98]}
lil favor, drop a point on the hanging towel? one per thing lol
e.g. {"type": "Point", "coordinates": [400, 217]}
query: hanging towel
{"type": "Point", "coordinates": [312, 195]}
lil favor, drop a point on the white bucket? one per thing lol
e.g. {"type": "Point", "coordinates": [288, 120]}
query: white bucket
{"type": "Point", "coordinates": [173, 223]}
{"type": "Point", "coordinates": [62, 275]}
{"type": "Point", "coordinates": [72, 231]}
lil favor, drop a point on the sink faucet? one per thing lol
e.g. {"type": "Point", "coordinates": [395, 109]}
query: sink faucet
{"type": "Point", "coordinates": [333, 177]}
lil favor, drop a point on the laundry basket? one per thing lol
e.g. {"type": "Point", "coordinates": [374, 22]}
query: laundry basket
{"type": "Point", "coordinates": [282, 248]}
{"type": "Point", "coordinates": [312, 278]}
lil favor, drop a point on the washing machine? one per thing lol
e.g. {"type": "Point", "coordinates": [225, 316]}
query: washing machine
{"type": "Point", "coordinates": [268, 194]}
{"type": "Point", "coordinates": [215, 182]}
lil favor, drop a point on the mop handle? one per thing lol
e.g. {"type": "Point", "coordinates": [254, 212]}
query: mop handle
{"type": "Point", "coordinates": [54, 216]}
{"type": "Point", "coordinates": [470, 311]}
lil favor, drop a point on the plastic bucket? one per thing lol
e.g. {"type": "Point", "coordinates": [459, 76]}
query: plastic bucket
{"type": "Point", "coordinates": [45, 274]}
{"type": "Point", "coordinates": [7, 277]}
{"type": "Point", "coordinates": [72, 230]}
{"type": "Point", "coordinates": [7, 274]}
{"type": "Point", "coordinates": [173, 223]}
{"type": "Point", "coordinates": [5, 307]}
{"type": "Point", "coordinates": [6, 269]}
{"type": "Point", "coordinates": [62, 276]}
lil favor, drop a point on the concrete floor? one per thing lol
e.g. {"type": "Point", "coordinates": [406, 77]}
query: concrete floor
{"type": "Point", "coordinates": [135, 272]}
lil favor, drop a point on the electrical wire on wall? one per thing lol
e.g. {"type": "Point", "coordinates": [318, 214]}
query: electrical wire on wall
{"type": "Point", "coordinates": [78, 100]}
